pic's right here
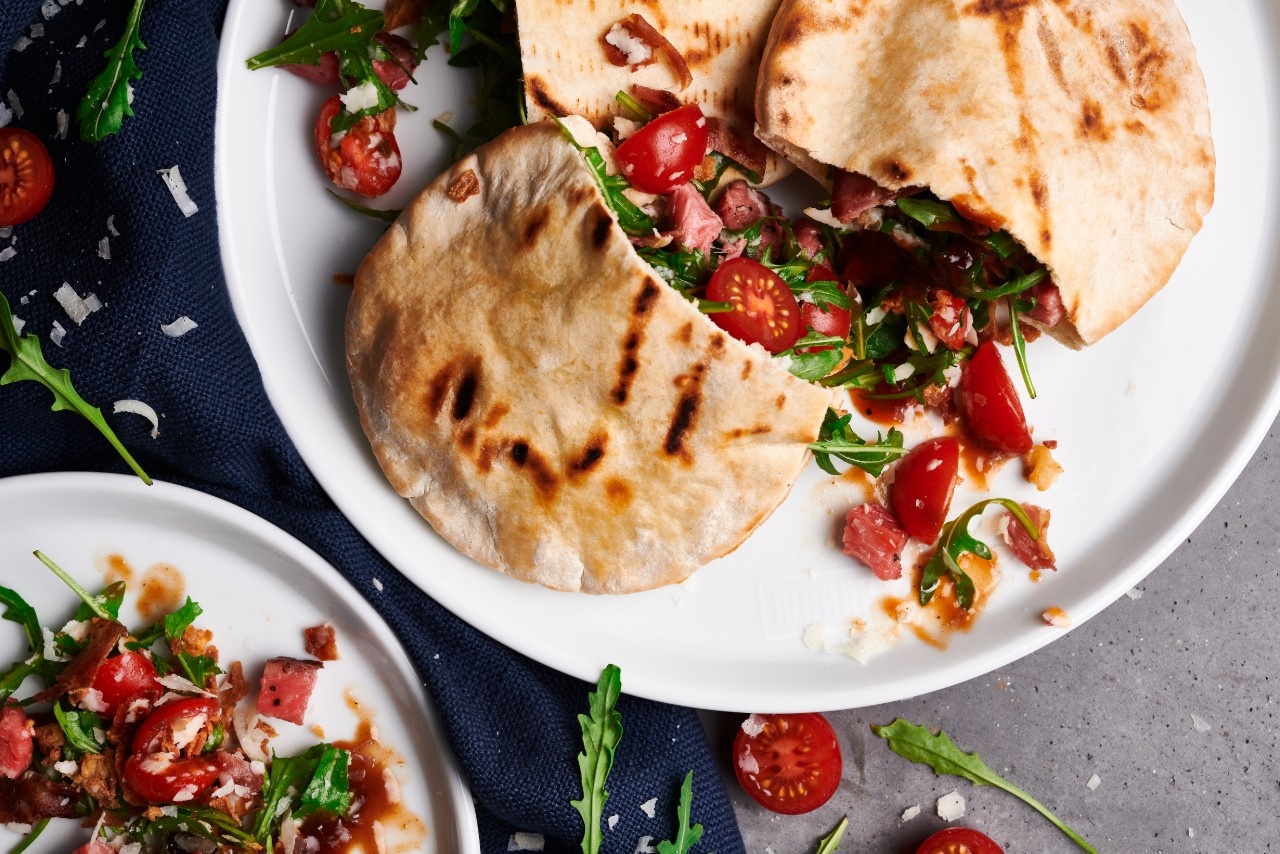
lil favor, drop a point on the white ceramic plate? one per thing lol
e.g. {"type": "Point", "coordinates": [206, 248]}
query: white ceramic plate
{"type": "Point", "coordinates": [1154, 422]}
{"type": "Point", "coordinates": [259, 588]}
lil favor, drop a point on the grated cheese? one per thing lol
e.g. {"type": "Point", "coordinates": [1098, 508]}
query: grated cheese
{"type": "Point", "coordinates": [522, 841]}
{"type": "Point", "coordinates": [951, 806]}
{"type": "Point", "coordinates": [76, 306]}
{"type": "Point", "coordinates": [178, 189]}
{"type": "Point", "coordinates": [362, 97]}
{"type": "Point", "coordinates": [49, 8]}
{"type": "Point", "coordinates": [910, 812]}
{"type": "Point", "coordinates": [650, 807]}
{"type": "Point", "coordinates": [21, 44]}
{"type": "Point", "coordinates": [1094, 782]}
{"type": "Point", "coordinates": [61, 119]}
{"type": "Point", "coordinates": [7, 252]}
{"type": "Point", "coordinates": [634, 50]}
{"type": "Point", "coordinates": [57, 333]}
{"type": "Point", "coordinates": [104, 249]}
{"type": "Point", "coordinates": [111, 226]}
{"type": "Point", "coordinates": [137, 407]}
{"type": "Point", "coordinates": [15, 104]}
{"type": "Point", "coordinates": [57, 72]}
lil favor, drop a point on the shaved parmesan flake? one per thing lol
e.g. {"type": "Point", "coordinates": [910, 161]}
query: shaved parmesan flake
{"type": "Point", "coordinates": [137, 407]}
{"type": "Point", "coordinates": [76, 306]}
{"type": "Point", "coordinates": [15, 103]}
{"type": "Point", "coordinates": [613, 821]}
{"type": "Point", "coordinates": [6, 115]}
{"type": "Point", "coordinates": [67, 766]}
{"type": "Point", "coordinates": [633, 49]}
{"type": "Point", "coordinates": [362, 97]}
{"type": "Point", "coordinates": [1134, 594]}
{"type": "Point", "coordinates": [57, 72]}
{"type": "Point", "coordinates": [104, 249]}
{"type": "Point", "coordinates": [21, 44]}
{"type": "Point", "coordinates": [62, 124]}
{"type": "Point", "coordinates": [49, 8]}
{"type": "Point", "coordinates": [84, 40]}
{"type": "Point", "coordinates": [1200, 724]}
{"type": "Point", "coordinates": [288, 833]}
{"type": "Point", "coordinates": [650, 807]}
{"type": "Point", "coordinates": [57, 333]}
{"type": "Point", "coordinates": [7, 253]}
{"type": "Point", "coordinates": [377, 585]}
{"type": "Point", "coordinates": [910, 813]}
{"type": "Point", "coordinates": [951, 806]}
{"type": "Point", "coordinates": [902, 372]}
{"type": "Point", "coordinates": [173, 180]}
{"type": "Point", "coordinates": [644, 845]}
{"type": "Point", "coordinates": [100, 25]}
{"type": "Point", "coordinates": [179, 327]}
{"type": "Point", "coordinates": [1094, 782]}
{"type": "Point", "coordinates": [111, 226]}
{"type": "Point", "coordinates": [582, 131]}
{"type": "Point", "coordinates": [824, 216]}
{"type": "Point", "coordinates": [18, 323]}
{"type": "Point", "coordinates": [521, 841]}
{"type": "Point", "coordinates": [37, 31]}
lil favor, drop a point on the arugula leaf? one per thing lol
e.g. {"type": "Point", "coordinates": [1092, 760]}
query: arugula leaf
{"type": "Point", "coordinates": [493, 51]}
{"type": "Point", "coordinates": [94, 606]}
{"type": "Point", "coordinates": [319, 774]}
{"type": "Point", "coordinates": [16, 610]}
{"type": "Point", "coordinates": [954, 541]}
{"type": "Point", "coordinates": [387, 216]}
{"type": "Point", "coordinates": [28, 363]}
{"type": "Point", "coordinates": [1001, 243]}
{"type": "Point", "coordinates": [102, 110]}
{"type": "Point", "coordinates": [831, 842]}
{"type": "Point", "coordinates": [78, 726]}
{"type": "Point", "coordinates": [177, 622]}
{"type": "Point", "coordinates": [195, 668]}
{"type": "Point", "coordinates": [30, 838]}
{"type": "Point", "coordinates": [1016, 285]}
{"type": "Point", "coordinates": [11, 680]}
{"type": "Point", "coordinates": [929, 212]}
{"type": "Point", "coordinates": [825, 294]}
{"type": "Point", "coordinates": [328, 790]}
{"type": "Point", "coordinates": [110, 600]}
{"type": "Point", "coordinates": [601, 732]}
{"type": "Point", "coordinates": [633, 220]}
{"type": "Point", "coordinates": [195, 819]}
{"type": "Point", "coordinates": [814, 365]}
{"type": "Point", "coordinates": [682, 269]}
{"type": "Point", "coordinates": [940, 753]}
{"type": "Point", "coordinates": [1020, 344]}
{"type": "Point", "coordinates": [836, 439]}
{"type": "Point", "coordinates": [357, 67]}
{"type": "Point", "coordinates": [688, 834]}
{"type": "Point", "coordinates": [339, 26]}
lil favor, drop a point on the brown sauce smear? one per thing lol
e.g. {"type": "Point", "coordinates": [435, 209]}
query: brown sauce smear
{"type": "Point", "coordinates": [117, 569]}
{"type": "Point", "coordinates": [162, 591]}
{"type": "Point", "coordinates": [943, 616]}
{"type": "Point", "coordinates": [378, 820]}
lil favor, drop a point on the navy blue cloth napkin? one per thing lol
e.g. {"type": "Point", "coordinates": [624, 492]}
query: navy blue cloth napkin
{"type": "Point", "coordinates": [512, 722]}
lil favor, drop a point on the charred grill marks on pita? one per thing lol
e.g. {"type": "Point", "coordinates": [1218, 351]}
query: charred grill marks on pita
{"type": "Point", "coordinates": [590, 457]}
{"type": "Point", "coordinates": [601, 229]}
{"type": "Point", "coordinates": [629, 364]}
{"type": "Point", "coordinates": [536, 88]}
{"type": "Point", "coordinates": [466, 394]}
{"type": "Point", "coordinates": [533, 226]}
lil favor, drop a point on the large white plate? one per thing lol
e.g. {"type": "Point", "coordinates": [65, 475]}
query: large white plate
{"type": "Point", "coordinates": [1154, 423]}
{"type": "Point", "coordinates": [259, 588]}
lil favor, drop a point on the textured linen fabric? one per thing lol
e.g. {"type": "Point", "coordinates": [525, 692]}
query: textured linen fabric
{"type": "Point", "coordinates": [512, 722]}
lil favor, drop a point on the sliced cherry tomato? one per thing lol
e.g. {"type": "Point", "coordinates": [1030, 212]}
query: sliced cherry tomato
{"type": "Point", "coordinates": [161, 723]}
{"type": "Point", "coordinates": [161, 776]}
{"type": "Point", "coordinates": [990, 403]}
{"type": "Point", "coordinates": [831, 321]}
{"type": "Point", "coordinates": [662, 155]}
{"type": "Point", "coordinates": [959, 840]}
{"type": "Point", "coordinates": [922, 487]}
{"type": "Point", "coordinates": [366, 158]}
{"type": "Point", "coordinates": [26, 176]}
{"type": "Point", "coordinates": [791, 765]}
{"type": "Point", "coordinates": [765, 312]}
{"type": "Point", "coordinates": [124, 678]}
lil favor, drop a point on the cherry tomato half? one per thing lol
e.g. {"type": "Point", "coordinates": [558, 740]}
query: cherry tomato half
{"type": "Point", "coordinates": [162, 777]}
{"type": "Point", "coordinates": [832, 321]}
{"type": "Point", "coordinates": [765, 312]}
{"type": "Point", "coordinates": [26, 176]}
{"type": "Point", "coordinates": [124, 678]}
{"type": "Point", "coordinates": [662, 155]}
{"type": "Point", "coordinates": [990, 403]}
{"type": "Point", "coordinates": [922, 487]}
{"type": "Point", "coordinates": [365, 159]}
{"type": "Point", "coordinates": [792, 765]}
{"type": "Point", "coordinates": [151, 735]}
{"type": "Point", "coordinates": [959, 840]}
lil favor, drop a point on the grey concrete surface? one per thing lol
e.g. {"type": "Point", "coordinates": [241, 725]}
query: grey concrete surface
{"type": "Point", "coordinates": [1113, 697]}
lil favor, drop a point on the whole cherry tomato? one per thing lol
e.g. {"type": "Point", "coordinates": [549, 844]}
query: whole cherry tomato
{"type": "Point", "coordinates": [789, 763]}
{"type": "Point", "coordinates": [990, 403]}
{"type": "Point", "coordinates": [959, 840]}
{"type": "Point", "coordinates": [662, 155]}
{"type": "Point", "coordinates": [26, 176]}
{"type": "Point", "coordinates": [765, 311]}
{"type": "Point", "coordinates": [922, 487]}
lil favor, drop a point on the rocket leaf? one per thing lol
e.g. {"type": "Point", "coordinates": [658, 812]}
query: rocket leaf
{"type": "Point", "coordinates": [106, 103]}
{"type": "Point", "coordinates": [601, 732]}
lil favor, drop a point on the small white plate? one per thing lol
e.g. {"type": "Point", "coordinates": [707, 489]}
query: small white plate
{"type": "Point", "coordinates": [259, 589]}
{"type": "Point", "coordinates": [1153, 423]}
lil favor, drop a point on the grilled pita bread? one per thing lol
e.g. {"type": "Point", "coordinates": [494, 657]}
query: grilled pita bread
{"type": "Point", "coordinates": [566, 71]}
{"type": "Point", "coordinates": [552, 407]}
{"type": "Point", "coordinates": [1079, 126]}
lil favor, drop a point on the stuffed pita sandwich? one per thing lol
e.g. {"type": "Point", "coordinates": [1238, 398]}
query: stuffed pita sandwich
{"type": "Point", "coordinates": [553, 407]}
{"type": "Point", "coordinates": [1080, 128]}
{"type": "Point", "coordinates": [578, 55]}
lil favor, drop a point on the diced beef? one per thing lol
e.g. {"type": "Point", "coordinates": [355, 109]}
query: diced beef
{"type": "Point", "coordinates": [743, 148]}
{"type": "Point", "coordinates": [655, 100]}
{"type": "Point", "coordinates": [33, 796]}
{"type": "Point", "coordinates": [95, 846]}
{"type": "Point", "coordinates": [853, 194]}
{"type": "Point", "coordinates": [951, 320]}
{"type": "Point", "coordinates": [321, 642]}
{"type": "Point", "coordinates": [873, 536]}
{"type": "Point", "coordinates": [16, 731]}
{"type": "Point", "coordinates": [808, 236]}
{"type": "Point", "coordinates": [741, 206]}
{"type": "Point", "coordinates": [325, 72]}
{"type": "Point", "coordinates": [395, 72]}
{"type": "Point", "coordinates": [286, 688]}
{"type": "Point", "coordinates": [695, 224]}
{"type": "Point", "coordinates": [1036, 554]}
{"type": "Point", "coordinates": [1049, 309]}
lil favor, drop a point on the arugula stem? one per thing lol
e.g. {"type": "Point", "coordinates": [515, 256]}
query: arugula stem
{"type": "Point", "coordinates": [27, 840]}
{"type": "Point", "coordinates": [85, 595]}
{"type": "Point", "coordinates": [1020, 347]}
{"type": "Point", "coordinates": [124, 453]}
{"type": "Point", "coordinates": [633, 106]}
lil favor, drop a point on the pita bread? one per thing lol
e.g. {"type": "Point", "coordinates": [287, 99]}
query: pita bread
{"type": "Point", "coordinates": [1080, 126]}
{"type": "Point", "coordinates": [566, 71]}
{"type": "Point", "coordinates": [552, 407]}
